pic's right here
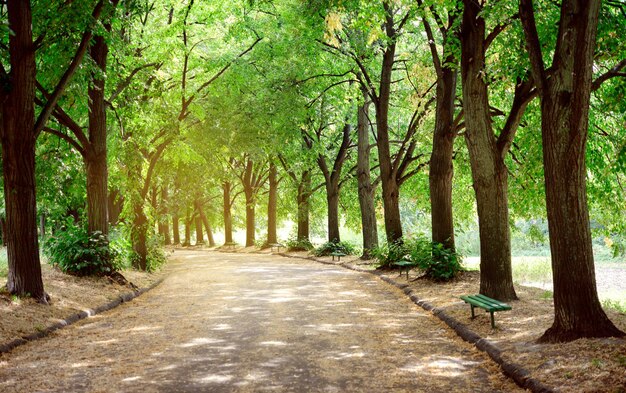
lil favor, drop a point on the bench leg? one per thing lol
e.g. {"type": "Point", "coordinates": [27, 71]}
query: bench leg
{"type": "Point", "coordinates": [472, 307]}
{"type": "Point", "coordinates": [493, 324]}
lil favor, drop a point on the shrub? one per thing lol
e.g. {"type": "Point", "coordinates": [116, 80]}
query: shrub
{"type": "Point", "coordinates": [436, 261]}
{"type": "Point", "coordinates": [298, 245]}
{"type": "Point", "coordinates": [388, 253]}
{"type": "Point", "coordinates": [334, 246]}
{"type": "Point", "coordinates": [444, 264]}
{"type": "Point", "coordinates": [79, 253]}
{"type": "Point", "coordinates": [155, 256]}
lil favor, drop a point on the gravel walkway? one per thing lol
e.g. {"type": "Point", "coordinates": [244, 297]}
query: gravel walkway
{"type": "Point", "coordinates": [253, 323]}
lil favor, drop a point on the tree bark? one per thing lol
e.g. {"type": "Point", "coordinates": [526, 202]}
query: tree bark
{"type": "Point", "coordinates": [228, 218]}
{"type": "Point", "coordinates": [332, 181]}
{"type": "Point", "coordinates": [95, 157]}
{"type": "Point", "coordinates": [565, 100]}
{"type": "Point", "coordinates": [188, 220]}
{"type": "Point", "coordinates": [272, 237]}
{"type": "Point", "coordinates": [332, 201]}
{"type": "Point", "coordinates": [18, 157]}
{"type": "Point", "coordinates": [489, 172]}
{"type": "Point", "coordinates": [176, 228]}
{"type": "Point", "coordinates": [365, 188]}
{"type": "Point", "coordinates": [390, 187]}
{"type": "Point", "coordinates": [441, 168]}
{"type": "Point", "coordinates": [199, 234]}
{"type": "Point", "coordinates": [303, 196]}
{"type": "Point", "coordinates": [139, 236]}
{"type": "Point", "coordinates": [250, 220]}
{"type": "Point", "coordinates": [206, 223]}
{"type": "Point", "coordinates": [164, 221]}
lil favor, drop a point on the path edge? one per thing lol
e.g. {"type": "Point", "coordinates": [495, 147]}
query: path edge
{"type": "Point", "coordinates": [73, 318]}
{"type": "Point", "coordinates": [517, 373]}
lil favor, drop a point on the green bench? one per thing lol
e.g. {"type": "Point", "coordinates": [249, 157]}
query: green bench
{"type": "Point", "coordinates": [404, 267]}
{"type": "Point", "coordinates": [338, 255]}
{"type": "Point", "coordinates": [486, 303]}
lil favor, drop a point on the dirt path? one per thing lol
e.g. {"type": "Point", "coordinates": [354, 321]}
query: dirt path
{"type": "Point", "coordinates": [250, 323]}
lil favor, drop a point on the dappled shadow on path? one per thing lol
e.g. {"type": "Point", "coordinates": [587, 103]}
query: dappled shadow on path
{"type": "Point", "coordinates": [228, 323]}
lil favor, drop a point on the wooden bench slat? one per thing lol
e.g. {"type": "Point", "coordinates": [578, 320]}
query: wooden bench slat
{"type": "Point", "coordinates": [496, 303]}
{"type": "Point", "coordinates": [486, 303]}
{"type": "Point", "coordinates": [480, 303]}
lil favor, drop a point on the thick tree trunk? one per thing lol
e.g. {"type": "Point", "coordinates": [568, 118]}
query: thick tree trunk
{"type": "Point", "coordinates": [304, 193]}
{"type": "Point", "coordinates": [366, 190]}
{"type": "Point", "coordinates": [18, 157]}
{"type": "Point", "coordinates": [95, 157]}
{"type": "Point", "coordinates": [390, 194]}
{"type": "Point", "coordinates": [199, 234]}
{"type": "Point", "coordinates": [139, 236]}
{"type": "Point", "coordinates": [228, 218]}
{"type": "Point", "coordinates": [489, 173]}
{"type": "Point", "coordinates": [332, 201]}
{"type": "Point", "coordinates": [176, 228]}
{"type": "Point", "coordinates": [565, 99]}
{"type": "Point", "coordinates": [272, 237]}
{"type": "Point", "coordinates": [441, 169]}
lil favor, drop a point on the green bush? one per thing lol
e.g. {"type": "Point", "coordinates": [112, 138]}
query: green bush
{"type": "Point", "coordinates": [437, 262]}
{"type": "Point", "coordinates": [444, 264]}
{"type": "Point", "coordinates": [155, 257]}
{"type": "Point", "coordinates": [298, 245]}
{"type": "Point", "coordinates": [388, 253]}
{"type": "Point", "coordinates": [334, 246]}
{"type": "Point", "coordinates": [77, 252]}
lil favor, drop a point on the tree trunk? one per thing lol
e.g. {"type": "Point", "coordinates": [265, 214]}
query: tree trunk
{"type": "Point", "coordinates": [199, 234]}
{"type": "Point", "coordinates": [18, 157]}
{"type": "Point", "coordinates": [139, 235]}
{"type": "Point", "coordinates": [188, 220]}
{"type": "Point", "coordinates": [250, 218]}
{"type": "Point", "coordinates": [164, 216]}
{"type": "Point", "coordinates": [209, 231]}
{"type": "Point", "coordinates": [565, 99]}
{"type": "Point", "coordinates": [304, 193]}
{"type": "Point", "coordinates": [489, 173]}
{"type": "Point", "coordinates": [272, 237]}
{"type": "Point", "coordinates": [441, 169]}
{"type": "Point", "coordinates": [332, 200]}
{"type": "Point", "coordinates": [176, 228]}
{"type": "Point", "coordinates": [95, 157]}
{"type": "Point", "coordinates": [366, 190]}
{"type": "Point", "coordinates": [391, 206]}
{"type": "Point", "coordinates": [228, 218]}
{"type": "Point", "coordinates": [206, 223]}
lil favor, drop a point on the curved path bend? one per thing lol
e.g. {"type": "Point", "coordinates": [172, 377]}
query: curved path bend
{"type": "Point", "coordinates": [254, 323]}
